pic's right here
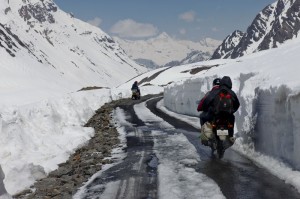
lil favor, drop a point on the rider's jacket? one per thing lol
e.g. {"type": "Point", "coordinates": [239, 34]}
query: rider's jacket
{"type": "Point", "coordinates": [200, 105]}
{"type": "Point", "coordinates": [226, 84]}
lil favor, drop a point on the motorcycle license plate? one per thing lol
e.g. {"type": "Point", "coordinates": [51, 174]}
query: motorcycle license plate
{"type": "Point", "coordinates": [222, 132]}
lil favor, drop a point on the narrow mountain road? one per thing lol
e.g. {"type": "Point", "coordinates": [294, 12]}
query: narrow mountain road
{"type": "Point", "coordinates": [237, 176]}
{"type": "Point", "coordinates": [154, 138]}
{"type": "Point", "coordinates": [137, 177]}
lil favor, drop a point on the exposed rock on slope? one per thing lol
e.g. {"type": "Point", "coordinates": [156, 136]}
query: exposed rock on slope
{"type": "Point", "coordinates": [274, 25]}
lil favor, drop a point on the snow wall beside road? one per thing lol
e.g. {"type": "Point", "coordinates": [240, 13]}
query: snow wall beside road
{"type": "Point", "coordinates": [268, 119]}
{"type": "Point", "coordinates": [3, 192]}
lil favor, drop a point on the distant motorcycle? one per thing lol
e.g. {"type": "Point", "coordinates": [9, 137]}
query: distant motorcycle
{"type": "Point", "coordinates": [135, 94]}
{"type": "Point", "coordinates": [216, 135]}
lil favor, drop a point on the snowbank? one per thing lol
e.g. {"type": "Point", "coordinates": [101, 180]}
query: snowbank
{"type": "Point", "coordinates": [268, 119]}
{"type": "Point", "coordinates": [277, 126]}
{"type": "Point", "coordinates": [3, 192]}
{"type": "Point", "coordinates": [268, 90]}
{"type": "Point", "coordinates": [35, 138]}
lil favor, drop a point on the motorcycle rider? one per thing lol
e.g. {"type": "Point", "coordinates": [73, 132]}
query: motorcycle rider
{"type": "Point", "coordinates": [208, 103]}
{"type": "Point", "coordinates": [135, 86]}
{"type": "Point", "coordinates": [207, 115]}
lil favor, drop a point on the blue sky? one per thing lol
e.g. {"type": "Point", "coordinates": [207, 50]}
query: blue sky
{"type": "Point", "coordinates": [182, 19]}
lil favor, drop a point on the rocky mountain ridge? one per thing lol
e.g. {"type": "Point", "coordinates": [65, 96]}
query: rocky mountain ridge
{"type": "Point", "coordinates": [275, 24]}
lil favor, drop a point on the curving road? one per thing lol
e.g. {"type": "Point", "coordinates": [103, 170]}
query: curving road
{"type": "Point", "coordinates": [136, 175]}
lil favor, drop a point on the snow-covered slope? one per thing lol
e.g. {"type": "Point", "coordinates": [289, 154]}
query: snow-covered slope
{"type": "Point", "coordinates": [163, 50]}
{"type": "Point", "coordinates": [43, 48]}
{"type": "Point", "coordinates": [274, 25]}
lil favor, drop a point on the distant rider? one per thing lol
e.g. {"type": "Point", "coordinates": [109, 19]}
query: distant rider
{"type": "Point", "coordinates": [135, 86]}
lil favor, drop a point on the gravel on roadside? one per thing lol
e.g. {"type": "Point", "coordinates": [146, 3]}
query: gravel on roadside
{"type": "Point", "coordinates": [86, 161]}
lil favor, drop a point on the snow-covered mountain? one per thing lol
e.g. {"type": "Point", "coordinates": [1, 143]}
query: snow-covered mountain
{"type": "Point", "coordinates": [228, 45]}
{"type": "Point", "coordinates": [164, 50]}
{"type": "Point", "coordinates": [35, 138]}
{"type": "Point", "coordinates": [274, 25]}
{"type": "Point", "coordinates": [44, 47]}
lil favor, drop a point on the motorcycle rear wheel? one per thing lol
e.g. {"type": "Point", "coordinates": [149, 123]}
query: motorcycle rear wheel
{"type": "Point", "coordinates": [220, 149]}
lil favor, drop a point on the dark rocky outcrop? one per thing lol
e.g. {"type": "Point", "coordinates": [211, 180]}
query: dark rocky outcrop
{"type": "Point", "coordinates": [274, 25]}
{"type": "Point", "coordinates": [42, 12]}
{"type": "Point", "coordinates": [228, 45]}
{"type": "Point", "coordinates": [9, 41]}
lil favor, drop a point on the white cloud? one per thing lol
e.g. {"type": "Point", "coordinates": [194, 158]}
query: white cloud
{"type": "Point", "coordinates": [188, 16]}
{"type": "Point", "coordinates": [131, 28]}
{"type": "Point", "coordinates": [199, 20]}
{"type": "Point", "coordinates": [214, 29]}
{"type": "Point", "coordinates": [95, 22]}
{"type": "Point", "coordinates": [182, 31]}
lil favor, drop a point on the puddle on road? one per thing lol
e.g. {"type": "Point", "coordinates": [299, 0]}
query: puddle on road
{"type": "Point", "coordinates": [152, 165]}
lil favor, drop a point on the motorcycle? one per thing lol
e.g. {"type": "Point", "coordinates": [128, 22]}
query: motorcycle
{"type": "Point", "coordinates": [135, 94]}
{"type": "Point", "coordinates": [216, 135]}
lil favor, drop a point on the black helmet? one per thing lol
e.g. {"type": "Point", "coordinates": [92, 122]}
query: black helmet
{"type": "Point", "coordinates": [216, 81]}
{"type": "Point", "coordinates": [226, 81]}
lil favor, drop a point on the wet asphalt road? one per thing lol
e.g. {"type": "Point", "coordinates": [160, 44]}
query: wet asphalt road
{"type": "Point", "coordinates": [237, 176]}
{"type": "Point", "coordinates": [136, 175]}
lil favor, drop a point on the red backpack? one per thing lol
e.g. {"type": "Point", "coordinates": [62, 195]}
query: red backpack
{"type": "Point", "coordinates": [223, 102]}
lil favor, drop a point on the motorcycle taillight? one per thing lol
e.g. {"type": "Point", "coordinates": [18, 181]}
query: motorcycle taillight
{"type": "Point", "coordinates": [230, 126]}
